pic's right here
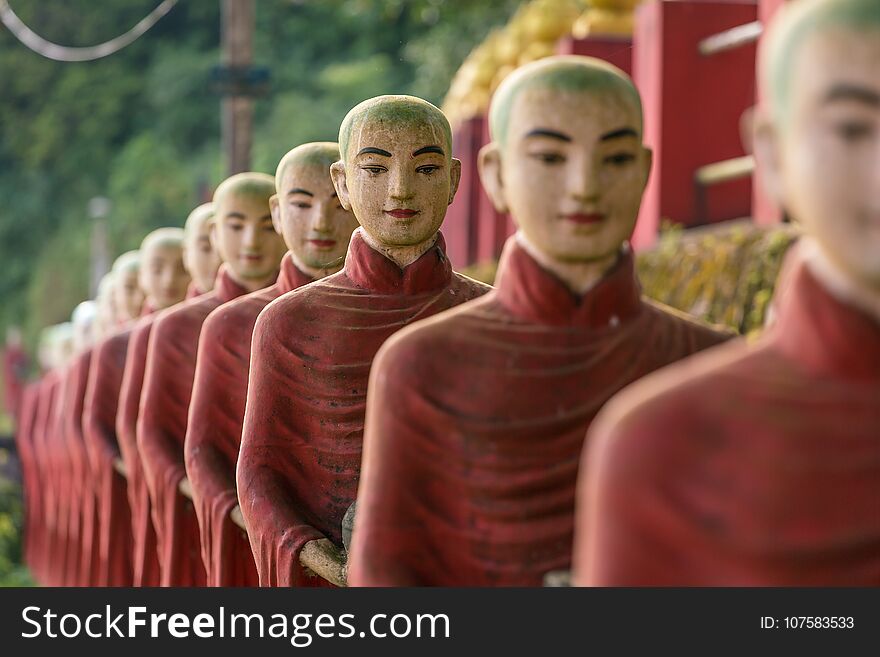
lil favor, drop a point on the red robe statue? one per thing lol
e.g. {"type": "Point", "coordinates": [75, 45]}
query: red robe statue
{"type": "Point", "coordinates": [24, 437]}
{"type": "Point", "coordinates": [14, 366]}
{"type": "Point", "coordinates": [312, 350]}
{"type": "Point", "coordinates": [99, 429]}
{"type": "Point", "coordinates": [751, 465]}
{"type": "Point", "coordinates": [477, 419]}
{"type": "Point", "coordinates": [51, 458]}
{"type": "Point", "coordinates": [83, 532]}
{"type": "Point", "coordinates": [213, 435]}
{"type": "Point", "coordinates": [161, 429]}
{"type": "Point", "coordinates": [144, 557]}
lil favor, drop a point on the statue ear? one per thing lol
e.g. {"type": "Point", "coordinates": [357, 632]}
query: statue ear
{"type": "Point", "coordinates": [275, 209]}
{"type": "Point", "coordinates": [454, 179]}
{"type": "Point", "coordinates": [765, 142]}
{"type": "Point", "coordinates": [337, 175]}
{"type": "Point", "coordinates": [489, 166]}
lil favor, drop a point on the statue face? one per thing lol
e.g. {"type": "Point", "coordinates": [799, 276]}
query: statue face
{"type": "Point", "coordinates": [128, 293]}
{"type": "Point", "coordinates": [163, 276]}
{"type": "Point", "coordinates": [823, 165]}
{"type": "Point", "coordinates": [245, 238]}
{"type": "Point", "coordinates": [200, 257]}
{"type": "Point", "coordinates": [571, 171]}
{"type": "Point", "coordinates": [307, 213]}
{"type": "Point", "coordinates": [397, 181]}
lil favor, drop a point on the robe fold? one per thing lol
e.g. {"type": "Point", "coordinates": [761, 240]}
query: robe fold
{"type": "Point", "coordinates": [50, 457]}
{"type": "Point", "coordinates": [42, 493]}
{"type": "Point", "coordinates": [78, 503]}
{"type": "Point", "coordinates": [476, 419]}
{"type": "Point", "coordinates": [161, 429]}
{"type": "Point", "coordinates": [144, 558]}
{"type": "Point", "coordinates": [99, 430]}
{"type": "Point", "coordinates": [312, 351]}
{"type": "Point", "coordinates": [752, 465]}
{"type": "Point", "coordinates": [213, 434]}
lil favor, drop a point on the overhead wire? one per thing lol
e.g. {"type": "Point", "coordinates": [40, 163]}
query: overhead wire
{"type": "Point", "coordinates": [61, 53]}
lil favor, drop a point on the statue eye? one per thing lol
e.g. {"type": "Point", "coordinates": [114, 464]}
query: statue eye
{"type": "Point", "coordinates": [303, 205]}
{"type": "Point", "coordinates": [549, 158]}
{"type": "Point", "coordinates": [853, 131]}
{"type": "Point", "coordinates": [428, 169]}
{"type": "Point", "coordinates": [619, 159]}
{"type": "Point", "coordinates": [374, 169]}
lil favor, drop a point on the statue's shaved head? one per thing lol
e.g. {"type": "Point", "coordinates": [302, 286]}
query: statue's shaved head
{"type": "Point", "coordinates": [315, 154]}
{"type": "Point", "coordinates": [794, 25]}
{"type": "Point", "coordinates": [163, 237]}
{"type": "Point", "coordinates": [128, 261]}
{"type": "Point", "coordinates": [198, 218]}
{"type": "Point", "coordinates": [248, 184]}
{"type": "Point", "coordinates": [407, 111]}
{"type": "Point", "coordinates": [564, 73]}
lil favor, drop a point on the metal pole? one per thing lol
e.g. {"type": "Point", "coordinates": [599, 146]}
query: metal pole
{"type": "Point", "coordinates": [237, 24]}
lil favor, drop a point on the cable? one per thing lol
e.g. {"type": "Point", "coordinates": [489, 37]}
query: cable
{"type": "Point", "coordinates": [86, 54]}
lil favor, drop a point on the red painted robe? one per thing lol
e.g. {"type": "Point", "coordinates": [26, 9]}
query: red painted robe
{"type": "Point", "coordinates": [213, 435]}
{"type": "Point", "coordinates": [144, 558]}
{"type": "Point", "coordinates": [476, 420]}
{"type": "Point", "coordinates": [24, 437]}
{"type": "Point", "coordinates": [753, 465]}
{"type": "Point", "coordinates": [81, 505]}
{"type": "Point", "coordinates": [99, 429]}
{"type": "Point", "coordinates": [312, 351]}
{"type": "Point", "coordinates": [14, 366]}
{"type": "Point", "coordinates": [51, 554]}
{"type": "Point", "coordinates": [161, 429]}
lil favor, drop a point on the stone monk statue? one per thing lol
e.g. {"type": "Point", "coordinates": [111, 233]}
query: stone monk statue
{"type": "Point", "coordinates": [307, 213]}
{"type": "Point", "coordinates": [759, 464]}
{"type": "Point", "coordinates": [313, 347]}
{"type": "Point", "coordinates": [251, 252]}
{"type": "Point", "coordinates": [476, 417]}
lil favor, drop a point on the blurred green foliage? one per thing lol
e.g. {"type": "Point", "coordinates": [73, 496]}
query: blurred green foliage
{"type": "Point", "coordinates": [142, 126]}
{"type": "Point", "coordinates": [12, 572]}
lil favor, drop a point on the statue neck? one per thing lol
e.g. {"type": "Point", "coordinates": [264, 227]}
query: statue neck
{"type": "Point", "coordinates": [316, 272]}
{"type": "Point", "coordinates": [250, 284]}
{"type": "Point", "coordinates": [837, 282]}
{"type": "Point", "coordinates": [579, 277]}
{"type": "Point", "coordinates": [403, 256]}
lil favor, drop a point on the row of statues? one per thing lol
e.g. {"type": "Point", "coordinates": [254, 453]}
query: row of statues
{"type": "Point", "coordinates": [488, 435]}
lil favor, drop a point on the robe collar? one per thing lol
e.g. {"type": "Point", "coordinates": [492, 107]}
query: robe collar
{"type": "Point", "coordinates": [827, 335]}
{"type": "Point", "coordinates": [371, 270]}
{"type": "Point", "coordinates": [193, 291]}
{"type": "Point", "coordinates": [225, 288]}
{"type": "Point", "coordinates": [291, 277]}
{"type": "Point", "coordinates": [531, 292]}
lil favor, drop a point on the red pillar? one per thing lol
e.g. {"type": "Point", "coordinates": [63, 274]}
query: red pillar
{"type": "Point", "coordinates": [693, 104]}
{"type": "Point", "coordinates": [461, 217]}
{"type": "Point", "coordinates": [616, 50]}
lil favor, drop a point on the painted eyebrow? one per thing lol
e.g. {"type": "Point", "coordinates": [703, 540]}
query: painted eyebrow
{"type": "Point", "coordinates": [552, 134]}
{"type": "Point", "coordinates": [300, 190]}
{"type": "Point", "coordinates": [617, 134]}
{"type": "Point", "coordinates": [234, 215]}
{"type": "Point", "coordinates": [429, 149]}
{"type": "Point", "coordinates": [374, 150]}
{"type": "Point", "coordinates": [852, 92]}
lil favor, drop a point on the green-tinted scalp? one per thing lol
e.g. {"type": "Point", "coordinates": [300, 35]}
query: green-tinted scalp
{"type": "Point", "coordinates": [166, 237]}
{"type": "Point", "coordinates": [795, 23]}
{"type": "Point", "coordinates": [128, 261]}
{"type": "Point", "coordinates": [198, 217]}
{"type": "Point", "coordinates": [314, 154]}
{"type": "Point", "coordinates": [395, 110]}
{"type": "Point", "coordinates": [565, 73]}
{"type": "Point", "coordinates": [248, 184]}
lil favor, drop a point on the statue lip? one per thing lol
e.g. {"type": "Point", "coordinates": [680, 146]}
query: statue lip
{"type": "Point", "coordinates": [585, 217]}
{"type": "Point", "coordinates": [323, 243]}
{"type": "Point", "coordinates": [402, 213]}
